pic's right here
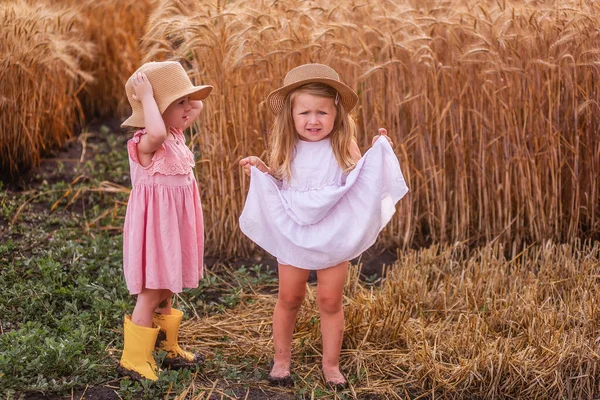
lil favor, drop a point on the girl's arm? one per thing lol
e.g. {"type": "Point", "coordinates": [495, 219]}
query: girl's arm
{"type": "Point", "coordinates": [354, 151]}
{"type": "Point", "coordinates": [156, 132]}
{"type": "Point", "coordinates": [254, 161]}
{"type": "Point", "coordinates": [197, 106]}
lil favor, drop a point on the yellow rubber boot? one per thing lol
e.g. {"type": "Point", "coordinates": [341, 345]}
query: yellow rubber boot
{"type": "Point", "coordinates": [168, 341]}
{"type": "Point", "coordinates": [137, 360]}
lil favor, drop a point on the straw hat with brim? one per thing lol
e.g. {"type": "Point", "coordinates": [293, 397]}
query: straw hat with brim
{"type": "Point", "coordinates": [169, 83]}
{"type": "Point", "coordinates": [309, 73]}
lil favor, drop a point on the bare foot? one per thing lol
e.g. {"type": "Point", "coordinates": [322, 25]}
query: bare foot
{"type": "Point", "coordinates": [280, 375]}
{"type": "Point", "coordinates": [279, 370]}
{"type": "Point", "coordinates": [333, 376]}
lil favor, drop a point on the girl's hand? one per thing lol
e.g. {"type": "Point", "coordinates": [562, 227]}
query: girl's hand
{"type": "Point", "coordinates": [254, 161]}
{"type": "Point", "coordinates": [382, 132]}
{"type": "Point", "coordinates": [141, 86]}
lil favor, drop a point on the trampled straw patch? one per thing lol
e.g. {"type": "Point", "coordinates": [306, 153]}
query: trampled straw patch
{"type": "Point", "coordinates": [445, 322]}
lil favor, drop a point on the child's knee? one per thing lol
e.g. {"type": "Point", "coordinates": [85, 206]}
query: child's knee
{"type": "Point", "coordinates": [329, 304]}
{"type": "Point", "coordinates": [291, 302]}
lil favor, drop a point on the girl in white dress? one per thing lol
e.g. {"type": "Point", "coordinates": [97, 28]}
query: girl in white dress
{"type": "Point", "coordinates": [317, 205]}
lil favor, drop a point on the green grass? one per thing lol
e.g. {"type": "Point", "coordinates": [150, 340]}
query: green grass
{"type": "Point", "coordinates": [63, 291]}
{"type": "Point", "coordinates": [63, 294]}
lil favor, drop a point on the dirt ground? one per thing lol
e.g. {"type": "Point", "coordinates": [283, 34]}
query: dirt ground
{"type": "Point", "coordinates": [108, 391]}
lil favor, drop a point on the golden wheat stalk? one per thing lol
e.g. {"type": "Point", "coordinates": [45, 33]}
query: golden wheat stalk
{"type": "Point", "coordinates": [493, 109]}
{"type": "Point", "coordinates": [41, 55]}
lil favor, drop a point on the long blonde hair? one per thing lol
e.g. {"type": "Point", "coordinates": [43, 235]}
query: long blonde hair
{"type": "Point", "coordinates": [283, 135]}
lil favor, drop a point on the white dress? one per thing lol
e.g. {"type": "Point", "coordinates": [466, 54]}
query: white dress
{"type": "Point", "coordinates": [321, 216]}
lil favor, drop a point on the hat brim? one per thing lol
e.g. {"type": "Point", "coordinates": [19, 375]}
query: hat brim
{"type": "Point", "coordinates": [195, 93]}
{"type": "Point", "coordinates": [276, 99]}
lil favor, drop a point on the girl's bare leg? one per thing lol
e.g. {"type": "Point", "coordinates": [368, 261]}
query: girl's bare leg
{"type": "Point", "coordinates": [164, 306]}
{"type": "Point", "coordinates": [292, 289]}
{"type": "Point", "coordinates": [330, 289]}
{"type": "Point", "coordinates": [146, 303]}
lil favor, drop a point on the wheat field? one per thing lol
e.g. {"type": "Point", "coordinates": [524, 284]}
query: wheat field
{"type": "Point", "coordinates": [41, 54]}
{"type": "Point", "coordinates": [115, 28]}
{"type": "Point", "coordinates": [493, 106]}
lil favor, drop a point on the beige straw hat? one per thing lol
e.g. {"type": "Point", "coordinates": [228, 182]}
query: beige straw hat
{"type": "Point", "coordinates": [309, 73]}
{"type": "Point", "coordinates": [169, 82]}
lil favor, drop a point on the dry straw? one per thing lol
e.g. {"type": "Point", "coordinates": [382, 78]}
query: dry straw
{"type": "Point", "coordinates": [493, 108]}
{"type": "Point", "coordinates": [41, 75]}
{"type": "Point", "coordinates": [446, 322]}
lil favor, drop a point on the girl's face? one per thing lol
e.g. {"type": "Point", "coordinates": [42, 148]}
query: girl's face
{"type": "Point", "coordinates": [178, 113]}
{"type": "Point", "coordinates": [313, 116]}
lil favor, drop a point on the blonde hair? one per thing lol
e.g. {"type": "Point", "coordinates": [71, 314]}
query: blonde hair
{"type": "Point", "coordinates": [283, 135]}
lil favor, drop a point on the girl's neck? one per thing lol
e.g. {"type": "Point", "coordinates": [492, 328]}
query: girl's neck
{"type": "Point", "coordinates": [300, 139]}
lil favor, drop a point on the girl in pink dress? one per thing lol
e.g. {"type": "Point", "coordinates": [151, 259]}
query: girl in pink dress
{"type": "Point", "coordinates": [163, 237]}
{"type": "Point", "coordinates": [318, 205]}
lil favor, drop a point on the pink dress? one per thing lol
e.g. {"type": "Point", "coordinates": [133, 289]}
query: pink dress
{"type": "Point", "coordinates": [322, 216]}
{"type": "Point", "coordinates": [163, 237]}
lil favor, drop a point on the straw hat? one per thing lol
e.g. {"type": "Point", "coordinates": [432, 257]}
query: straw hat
{"type": "Point", "coordinates": [169, 83]}
{"type": "Point", "coordinates": [309, 73]}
